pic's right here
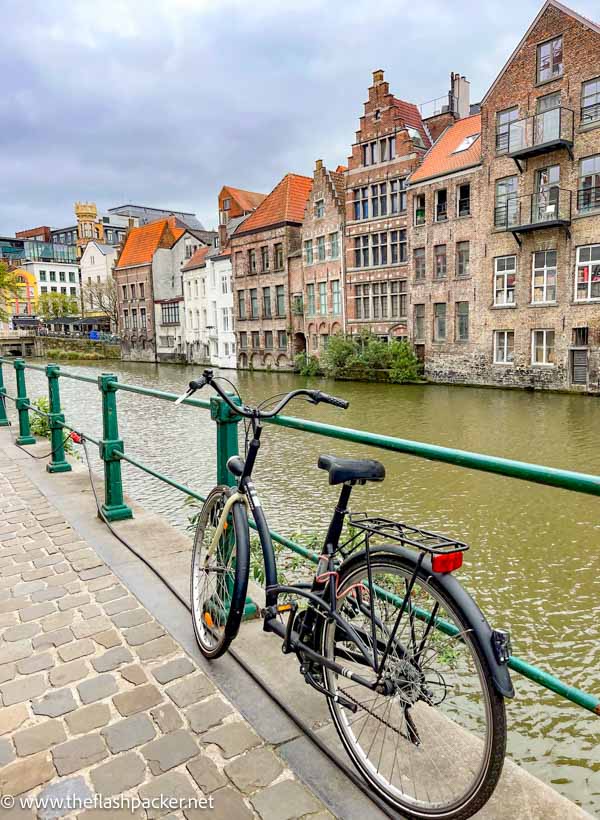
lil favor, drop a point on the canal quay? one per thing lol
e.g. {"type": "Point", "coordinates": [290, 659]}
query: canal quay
{"type": "Point", "coordinates": [533, 565]}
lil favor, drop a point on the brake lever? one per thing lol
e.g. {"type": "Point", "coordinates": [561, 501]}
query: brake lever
{"type": "Point", "coordinates": [184, 396]}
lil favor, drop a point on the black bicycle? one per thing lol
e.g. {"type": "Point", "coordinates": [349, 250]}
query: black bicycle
{"type": "Point", "coordinates": [414, 676]}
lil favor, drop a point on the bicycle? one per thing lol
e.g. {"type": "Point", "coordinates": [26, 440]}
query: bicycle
{"type": "Point", "coordinates": [414, 676]}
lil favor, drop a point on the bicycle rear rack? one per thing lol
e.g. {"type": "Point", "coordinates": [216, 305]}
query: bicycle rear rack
{"type": "Point", "coordinates": [369, 527]}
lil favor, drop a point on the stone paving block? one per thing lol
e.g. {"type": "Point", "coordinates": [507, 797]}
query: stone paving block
{"type": "Point", "coordinates": [90, 611]}
{"type": "Point", "coordinates": [36, 663]}
{"type": "Point", "coordinates": [284, 801]}
{"type": "Point", "coordinates": [254, 770]}
{"type": "Point", "coordinates": [131, 618]}
{"type": "Point", "coordinates": [13, 604]}
{"type": "Point", "coordinates": [37, 574]}
{"type": "Point", "coordinates": [69, 672]}
{"type": "Point", "coordinates": [102, 583]}
{"type": "Point", "coordinates": [174, 785]}
{"type": "Point", "coordinates": [11, 717]}
{"type": "Point", "coordinates": [134, 674]}
{"type": "Point", "coordinates": [121, 605]}
{"type": "Point", "coordinates": [173, 669]}
{"type": "Point", "coordinates": [112, 659]}
{"type": "Point", "coordinates": [108, 638]}
{"type": "Point", "coordinates": [21, 631]}
{"type": "Point", "coordinates": [102, 686]}
{"type": "Point", "coordinates": [48, 561]}
{"type": "Point", "coordinates": [137, 700]}
{"type": "Point", "coordinates": [8, 619]}
{"type": "Point", "coordinates": [206, 774]}
{"type": "Point", "coordinates": [69, 538]}
{"type": "Point", "coordinates": [49, 594]}
{"type": "Point", "coordinates": [55, 703]}
{"type": "Point", "coordinates": [158, 648]}
{"type": "Point", "coordinates": [97, 572]}
{"type": "Point", "coordinates": [73, 601]}
{"type": "Point", "coordinates": [16, 651]}
{"type": "Point", "coordinates": [209, 713]}
{"type": "Point", "coordinates": [232, 738]}
{"type": "Point", "coordinates": [7, 672]}
{"type": "Point", "coordinates": [111, 594]}
{"type": "Point", "coordinates": [25, 775]}
{"type": "Point", "coordinates": [57, 793]}
{"type": "Point", "coordinates": [228, 803]}
{"type": "Point", "coordinates": [62, 580]}
{"type": "Point", "coordinates": [27, 587]}
{"type": "Point", "coordinates": [87, 718]}
{"type": "Point", "coordinates": [119, 775]}
{"type": "Point", "coordinates": [40, 737]}
{"type": "Point", "coordinates": [7, 752]}
{"type": "Point", "coordinates": [76, 650]}
{"type": "Point", "coordinates": [56, 637]}
{"type": "Point", "coordinates": [87, 563]}
{"type": "Point", "coordinates": [167, 717]}
{"type": "Point", "coordinates": [129, 733]}
{"type": "Point", "coordinates": [190, 690]}
{"type": "Point", "coordinates": [138, 635]}
{"type": "Point", "coordinates": [18, 691]}
{"type": "Point", "coordinates": [58, 620]}
{"type": "Point", "coordinates": [79, 753]}
{"type": "Point", "coordinates": [84, 629]}
{"type": "Point", "coordinates": [169, 751]}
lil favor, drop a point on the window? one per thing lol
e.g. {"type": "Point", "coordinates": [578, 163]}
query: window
{"type": "Point", "coordinates": [361, 251]}
{"type": "Point", "coordinates": [125, 318]}
{"type": "Point", "coordinates": [419, 314]}
{"type": "Point", "coordinates": [439, 255]}
{"type": "Point", "coordinates": [506, 206]}
{"type": "Point", "coordinates": [462, 259]}
{"type": "Point", "coordinates": [252, 261]}
{"type": "Point", "coordinates": [268, 340]}
{"type": "Point", "coordinates": [282, 339]}
{"type": "Point", "coordinates": [362, 301]}
{"type": "Point", "coordinates": [588, 195]}
{"type": "Point", "coordinates": [336, 301]}
{"type": "Point", "coordinates": [61, 276]}
{"type": "Point", "coordinates": [226, 319]}
{"type": "Point", "coordinates": [320, 208]}
{"type": "Point", "coordinates": [379, 199]}
{"type": "Point", "coordinates": [379, 248]}
{"type": "Point", "coordinates": [387, 149]}
{"type": "Point", "coordinates": [379, 300]}
{"type": "Point", "coordinates": [243, 340]}
{"type": "Point", "coordinates": [543, 285]}
{"type": "Point", "coordinates": [503, 121]}
{"type": "Point", "coordinates": [255, 335]}
{"type": "Point", "coordinates": [308, 251]}
{"type": "Point", "coordinates": [334, 245]}
{"type": "Point", "coordinates": [143, 318]}
{"type": "Point", "coordinates": [241, 304]}
{"type": "Point", "coordinates": [441, 205]}
{"type": "Point", "coordinates": [416, 136]}
{"type": "Point", "coordinates": [466, 143]}
{"type": "Point", "coordinates": [133, 291]}
{"type": "Point", "coordinates": [73, 291]}
{"type": "Point", "coordinates": [361, 203]}
{"type": "Point", "coordinates": [398, 246]}
{"type": "Point", "coordinates": [399, 298]}
{"type": "Point", "coordinates": [253, 303]}
{"type": "Point", "coordinates": [123, 288]}
{"type": "Point", "coordinates": [369, 153]}
{"type": "Point", "coordinates": [71, 277]}
{"type": "Point", "coordinates": [398, 196]}
{"type": "Point", "coordinates": [225, 283]}
{"type": "Point", "coordinates": [267, 303]}
{"type": "Point", "coordinates": [464, 199]}
{"type": "Point", "coordinates": [280, 296]}
{"type": "Point", "coordinates": [53, 276]}
{"type": "Point", "coordinates": [170, 313]}
{"type": "Point", "coordinates": [141, 286]}
{"type": "Point", "coordinates": [439, 322]}
{"type": "Point", "coordinates": [462, 321]}
{"type": "Point", "coordinates": [504, 346]}
{"type": "Point", "coordinates": [581, 336]}
{"type": "Point", "coordinates": [264, 258]}
{"type": "Point", "coordinates": [226, 204]}
{"type": "Point", "coordinates": [587, 286]}
{"type": "Point", "coordinates": [134, 319]}
{"type": "Point", "coordinates": [590, 101]}
{"type": "Point", "coordinates": [321, 248]}
{"type": "Point", "coordinates": [505, 275]}
{"type": "Point", "coordinates": [419, 205]}
{"type": "Point", "coordinates": [550, 60]}
{"type": "Point", "coordinates": [279, 256]}
{"type": "Point", "coordinates": [542, 347]}
{"type": "Point", "coordinates": [44, 289]}
{"type": "Point", "coordinates": [310, 299]}
{"type": "Point", "coordinates": [419, 263]}
{"type": "Point", "coordinates": [322, 297]}
{"type": "Point", "coordinates": [42, 276]}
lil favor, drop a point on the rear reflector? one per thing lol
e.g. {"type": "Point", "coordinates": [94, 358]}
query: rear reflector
{"type": "Point", "coordinates": [447, 562]}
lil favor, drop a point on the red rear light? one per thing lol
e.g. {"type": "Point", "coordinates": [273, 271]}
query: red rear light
{"type": "Point", "coordinates": [75, 437]}
{"type": "Point", "coordinates": [447, 562]}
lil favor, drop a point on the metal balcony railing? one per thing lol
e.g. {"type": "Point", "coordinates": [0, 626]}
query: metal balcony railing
{"type": "Point", "coordinates": [546, 131]}
{"type": "Point", "coordinates": [464, 206]}
{"type": "Point", "coordinates": [588, 199]}
{"type": "Point", "coordinates": [590, 113]}
{"type": "Point", "coordinates": [547, 208]}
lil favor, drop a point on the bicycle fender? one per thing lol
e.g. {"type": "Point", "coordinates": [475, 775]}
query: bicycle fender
{"type": "Point", "coordinates": [474, 617]}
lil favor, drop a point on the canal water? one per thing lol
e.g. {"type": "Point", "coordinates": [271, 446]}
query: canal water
{"type": "Point", "coordinates": [534, 562]}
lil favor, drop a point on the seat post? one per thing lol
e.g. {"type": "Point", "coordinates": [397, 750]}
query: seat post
{"type": "Point", "coordinates": [337, 521]}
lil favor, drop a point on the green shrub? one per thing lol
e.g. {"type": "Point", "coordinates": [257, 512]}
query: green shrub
{"type": "Point", "coordinates": [40, 427]}
{"type": "Point", "coordinates": [341, 352]}
{"type": "Point", "coordinates": [404, 365]}
{"type": "Point", "coordinates": [307, 365]}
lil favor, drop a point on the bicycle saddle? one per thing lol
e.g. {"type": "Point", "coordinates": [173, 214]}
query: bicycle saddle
{"type": "Point", "coordinates": [351, 469]}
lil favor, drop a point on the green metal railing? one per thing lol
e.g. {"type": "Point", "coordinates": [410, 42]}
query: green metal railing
{"type": "Point", "coordinates": [112, 452]}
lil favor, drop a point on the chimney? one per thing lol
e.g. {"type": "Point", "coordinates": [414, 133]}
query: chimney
{"type": "Point", "coordinates": [460, 93]}
{"type": "Point", "coordinates": [318, 164]}
{"type": "Point", "coordinates": [222, 235]}
{"type": "Point", "coordinates": [378, 76]}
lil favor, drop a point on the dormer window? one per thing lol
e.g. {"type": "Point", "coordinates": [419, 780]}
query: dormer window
{"type": "Point", "coordinates": [466, 143]}
{"type": "Point", "coordinates": [415, 136]}
{"type": "Point", "coordinates": [550, 60]}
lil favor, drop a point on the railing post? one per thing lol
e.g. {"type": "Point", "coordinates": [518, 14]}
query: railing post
{"type": "Point", "coordinates": [22, 405]}
{"type": "Point", "coordinates": [114, 508]}
{"type": "Point", "coordinates": [58, 462]}
{"type": "Point", "coordinates": [227, 436]}
{"type": "Point", "coordinates": [4, 422]}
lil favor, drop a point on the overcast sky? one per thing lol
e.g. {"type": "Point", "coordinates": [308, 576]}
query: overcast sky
{"type": "Point", "coordinates": [161, 102]}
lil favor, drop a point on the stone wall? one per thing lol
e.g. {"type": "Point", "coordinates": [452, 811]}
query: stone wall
{"type": "Point", "coordinates": [43, 344]}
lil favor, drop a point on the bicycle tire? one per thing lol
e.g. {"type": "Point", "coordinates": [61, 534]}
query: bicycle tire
{"type": "Point", "coordinates": [483, 785]}
{"type": "Point", "coordinates": [218, 591]}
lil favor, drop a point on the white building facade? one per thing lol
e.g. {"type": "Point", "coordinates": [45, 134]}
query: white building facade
{"type": "Point", "coordinates": [56, 277]}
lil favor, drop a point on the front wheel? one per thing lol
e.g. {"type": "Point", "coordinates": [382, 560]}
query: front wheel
{"type": "Point", "coordinates": [432, 743]}
{"type": "Point", "coordinates": [220, 565]}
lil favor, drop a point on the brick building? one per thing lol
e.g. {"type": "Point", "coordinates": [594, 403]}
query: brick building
{"type": "Point", "coordinates": [261, 247]}
{"type": "Point", "coordinates": [390, 144]}
{"type": "Point", "coordinates": [317, 301]}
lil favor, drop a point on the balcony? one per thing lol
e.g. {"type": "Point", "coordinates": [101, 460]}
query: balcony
{"type": "Point", "coordinates": [588, 199]}
{"type": "Point", "coordinates": [550, 208]}
{"type": "Point", "coordinates": [548, 131]}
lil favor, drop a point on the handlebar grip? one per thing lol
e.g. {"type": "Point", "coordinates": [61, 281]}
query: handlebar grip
{"type": "Point", "coordinates": [197, 385]}
{"type": "Point", "coordinates": [327, 399]}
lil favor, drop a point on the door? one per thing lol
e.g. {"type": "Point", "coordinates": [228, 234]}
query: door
{"type": "Point", "coordinates": [545, 205]}
{"type": "Point", "coordinates": [547, 119]}
{"type": "Point", "coordinates": [579, 366]}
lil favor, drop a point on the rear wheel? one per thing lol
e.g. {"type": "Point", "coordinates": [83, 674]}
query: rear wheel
{"type": "Point", "coordinates": [433, 744]}
{"type": "Point", "coordinates": [219, 582]}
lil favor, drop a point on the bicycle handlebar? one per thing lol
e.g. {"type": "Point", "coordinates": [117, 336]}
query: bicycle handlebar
{"type": "Point", "coordinates": [315, 396]}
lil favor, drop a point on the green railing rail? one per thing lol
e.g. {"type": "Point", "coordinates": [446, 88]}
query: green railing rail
{"type": "Point", "coordinates": [112, 452]}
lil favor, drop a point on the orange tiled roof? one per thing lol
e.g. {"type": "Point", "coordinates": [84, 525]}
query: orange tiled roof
{"type": "Point", "coordinates": [247, 200]}
{"type": "Point", "coordinates": [198, 259]}
{"type": "Point", "coordinates": [285, 203]}
{"type": "Point", "coordinates": [441, 159]}
{"type": "Point", "coordinates": [141, 243]}
{"type": "Point", "coordinates": [411, 116]}
{"type": "Point", "coordinates": [341, 168]}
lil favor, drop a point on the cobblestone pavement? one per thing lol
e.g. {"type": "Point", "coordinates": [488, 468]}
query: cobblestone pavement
{"type": "Point", "coordinates": [98, 699]}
